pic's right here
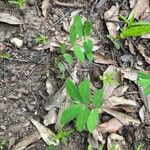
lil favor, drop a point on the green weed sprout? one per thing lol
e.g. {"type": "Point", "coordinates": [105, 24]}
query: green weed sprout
{"type": "Point", "coordinates": [84, 107]}
{"type": "Point", "coordinates": [41, 39]}
{"type": "Point", "coordinates": [2, 144]}
{"type": "Point", "coordinates": [144, 80]}
{"type": "Point", "coordinates": [19, 3]}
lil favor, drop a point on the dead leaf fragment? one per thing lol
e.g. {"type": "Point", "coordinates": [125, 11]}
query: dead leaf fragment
{"type": "Point", "coordinates": [10, 19]}
{"type": "Point", "coordinates": [45, 7]}
{"type": "Point", "coordinates": [26, 141]}
{"type": "Point", "coordinates": [123, 118]}
{"type": "Point", "coordinates": [50, 88]}
{"type": "Point", "coordinates": [45, 132]}
{"type": "Point", "coordinates": [119, 91]}
{"type": "Point", "coordinates": [101, 59]}
{"type": "Point", "coordinates": [111, 126]}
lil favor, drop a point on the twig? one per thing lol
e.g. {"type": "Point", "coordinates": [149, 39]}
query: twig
{"type": "Point", "coordinates": [74, 5]}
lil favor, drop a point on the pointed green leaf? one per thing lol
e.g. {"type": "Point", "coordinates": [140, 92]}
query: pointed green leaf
{"type": "Point", "coordinates": [143, 82]}
{"type": "Point", "coordinates": [87, 27]}
{"type": "Point", "coordinates": [70, 113]}
{"type": "Point", "coordinates": [68, 58]}
{"type": "Point", "coordinates": [72, 90]}
{"type": "Point", "coordinates": [147, 90]}
{"type": "Point", "coordinates": [88, 46]}
{"type": "Point", "coordinates": [135, 31]}
{"type": "Point", "coordinates": [63, 48]}
{"type": "Point", "coordinates": [98, 98]}
{"type": "Point", "coordinates": [92, 120]}
{"type": "Point", "coordinates": [143, 75]}
{"type": "Point", "coordinates": [78, 25]}
{"type": "Point", "coordinates": [84, 89]}
{"type": "Point", "coordinates": [78, 53]}
{"type": "Point", "coordinates": [82, 119]}
{"type": "Point", "coordinates": [73, 34]}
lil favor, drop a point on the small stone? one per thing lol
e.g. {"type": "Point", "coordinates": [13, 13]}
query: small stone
{"type": "Point", "coordinates": [17, 42]}
{"type": "Point", "coordinates": [2, 127]}
{"type": "Point", "coordinates": [31, 2]}
{"type": "Point", "coordinates": [2, 46]}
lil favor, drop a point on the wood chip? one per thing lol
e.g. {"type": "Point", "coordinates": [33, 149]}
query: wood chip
{"type": "Point", "coordinates": [45, 7]}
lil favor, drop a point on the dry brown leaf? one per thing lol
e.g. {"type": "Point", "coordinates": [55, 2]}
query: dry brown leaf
{"type": "Point", "coordinates": [112, 15]}
{"type": "Point", "coordinates": [50, 88]}
{"type": "Point", "coordinates": [26, 141]}
{"type": "Point", "coordinates": [139, 8]}
{"type": "Point", "coordinates": [45, 132]}
{"type": "Point", "coordinates": [119, 91]}
{"type": "Point", "coordinates": [123, 118]}
{"type": "Point", "coordinates": [45, 7]}
{"type": "Point", "coordinates": [101, 59]}
{"type": "Point", "coordinates": [111, 126]}
{"type": "Point", "coordinates": [117, 142]}
{"type": "Point", "coordinates": [10, 19]}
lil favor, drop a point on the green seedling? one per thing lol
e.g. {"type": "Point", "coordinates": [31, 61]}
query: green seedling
{"type": "Point", "coordinates": [41, 39]}
{"type": "Point", "coordinates": [84, 107]}
{"type": "Point", "coordinates": [2, 144]}
{"type": "Point", "coordinates": [144, 80]}
{"type": "Point", "coordinates": [4, 56]}
{"type": "Point", "coordinates": [139, 147]}
{"type": "Point", "coordinates": [51, 147]}
{"type": "Point", "coordinates": [19, 3]}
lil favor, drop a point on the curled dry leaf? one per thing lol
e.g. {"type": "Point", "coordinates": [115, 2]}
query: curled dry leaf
{"type": "Point", "coordinates": [57, 99]}
{"type": "Point", "coordinates": [10, 19]}
{"type": "Point", "coordinates": [51, 117]}
{"type": "Point", "coordinates": [101, 59]}
{"type": "Point", "coordinates": [112, 15]}
{"type": "Point", "coordinates": [123, 118]}
{"type": "Point", "coordinates": [26, 141]}
{"type": "Point", "coordinates": [111, 126]}
{"type": "Point", "coordinates": [45, 7]}
{"type": "Point", "coordinates": [44, 132]}
{"type": "Point", "coordinates": [119, 91]}
{"type": "Point", "coordinates": [116, 142]}
{"type": "Point", "coordinates": [50, 88]}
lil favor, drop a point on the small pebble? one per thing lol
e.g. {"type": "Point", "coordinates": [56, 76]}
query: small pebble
{"type": "Point", "coordinates": [31, 2]}
{"type": "Point", "coordinates": [17, 42]}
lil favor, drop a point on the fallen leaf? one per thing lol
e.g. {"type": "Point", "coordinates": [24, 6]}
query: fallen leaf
{"type": "Point", "coordinates": [44, 132]}
{"type": "Point", "coordinates": [141, 113]}
{"type": "Point", "coordinates": [111, 126]}
{"type": "Point", "coordinates": [50, 88]}
{"type": "Point", "coordinates": [26, 141]}
{"type": "Point", "coordinates": [101, 59]}
{"type": "Point", "coordinates": [10, 19]}
{"type": "Point", "coordinates": [123, 118]}
{"type": "Point", "coordinates": [119, 91]}
{"type": "Point", "coordinates": [112, 15]}
{"type": "Point", "coordinates": [116, 142]}
{"type": "Point", "coordinates": [45, 7]}
{"type": "Point", "coordinates": [11, 142]}
{"type": "Point", "coordinates": [2, 46]}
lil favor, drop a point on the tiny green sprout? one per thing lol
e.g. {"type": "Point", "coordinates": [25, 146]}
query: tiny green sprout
{"type": "Point", "coordinates": [2, 144]}
{"type": "Point", "coordinates": [4, 55]}
{"type": "Point", "coordinates": [51, 147]}
{"type": "Point", "coordinates": [84, 107]}
{"type": "Point", "coordinates": [144, 80]}
{"type": "Point", "coordinates": [139, 147]}
{"type": "Point", "coordinates": [41, 39]}
{"type": "Point", "coordinates": [19, 3]}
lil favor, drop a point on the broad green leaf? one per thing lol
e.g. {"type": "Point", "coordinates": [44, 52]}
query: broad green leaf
{"type": "Point", "coordinates": [117, 44]}
{"type": "Point", "coordinates": [98, 98]}
{"type": "Point", "coordinates": [73, 34]}
{"type": "Point", "coordinates": [72, 90]}
{"type": "Point", "coordinates": [89, 147]}
{"type": "Point", "coordinates": [147, 90]}
{"type": "Point", "coordinates": [87, 27]}
{"type": "Point", "coordinates": [68, 58]}
{"type": "Point", "coordinates": [63, 48]}
{"type": "Point", "coordinates": [70, 113]}
{"type": "Point", "coordinates": [143, 75]}
{"type": "Point", "coordinates": [140, 23]}
{"type": "Point", "coordinates": [78, 25]}
{"type": "Point", "coordinates": [135, 31]}
{"type": "Point", "coordinates": [82, 119]}
{"type": "Point", "coordinates": [84, 89]}
{"type": "Point", "coordinates": [78, 53]}
{"type": "Point", "coordinates": [4, 56]}
{"type": "Point", "coordinates": [51, 147]}
{"type": "Point", "coordinates": [92, 120]}
{"type": "Point", "coordinates": [88, 46]}
{"type": "Point", "coordinates": [143, 82]}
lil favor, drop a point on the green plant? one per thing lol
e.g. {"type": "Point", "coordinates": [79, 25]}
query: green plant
{"type": "Point", "coordinates": [81, 43]}
{"type": "Point", "coordinates": [2, 144]}
{"type": "Point", "coordinates": [4, 55]}
{"type": "Point", "coordinates": [41, 39]}
{"type": "Point", "coordinates": [51, 147]}
{"type": "Point", "coordinates": [138, 147]}
{"type": "Point", "coordinates": [144, 80]}
{"type": "Point", "coordinates": [84, 107]}
{"type": "Point", "coordinates": [19, 3]}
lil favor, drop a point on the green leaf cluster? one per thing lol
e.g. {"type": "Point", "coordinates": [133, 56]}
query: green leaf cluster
{"type": "Point", "coordinates": [144, 80]}
{"type": "Point", "coordinates": [84, 108]}
{"type": "Point", "coordinates": [4, 56]}
{"type": "Point", "coordinates": [19, 3]}
{"type": "Point", "coordinates": [78, 33]}
{"type": "Point", "coordinates": [2, 144]}
{"type": "Point", "coordinates": [41, 39]}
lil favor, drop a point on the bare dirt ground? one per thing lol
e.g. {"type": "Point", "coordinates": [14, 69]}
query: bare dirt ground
{"type": "Point", "coordinates": [23, 93]}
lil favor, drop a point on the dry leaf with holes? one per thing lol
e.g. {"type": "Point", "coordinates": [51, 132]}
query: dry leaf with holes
{"type": "Point", "coordinates": [26, 141]}
{"type": "Point", "coordinates": [112, 15]}
{"type": "Point", "coordinates": [45, 7]}
{"type": "Point", "coordinates": [10, 19]}
{"type": "Point", "coordinates": [111, 126]}
{"type": "Point", "coordinates": [101, 59]}
{"type": "Point", "coordinates": [45, 132]}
